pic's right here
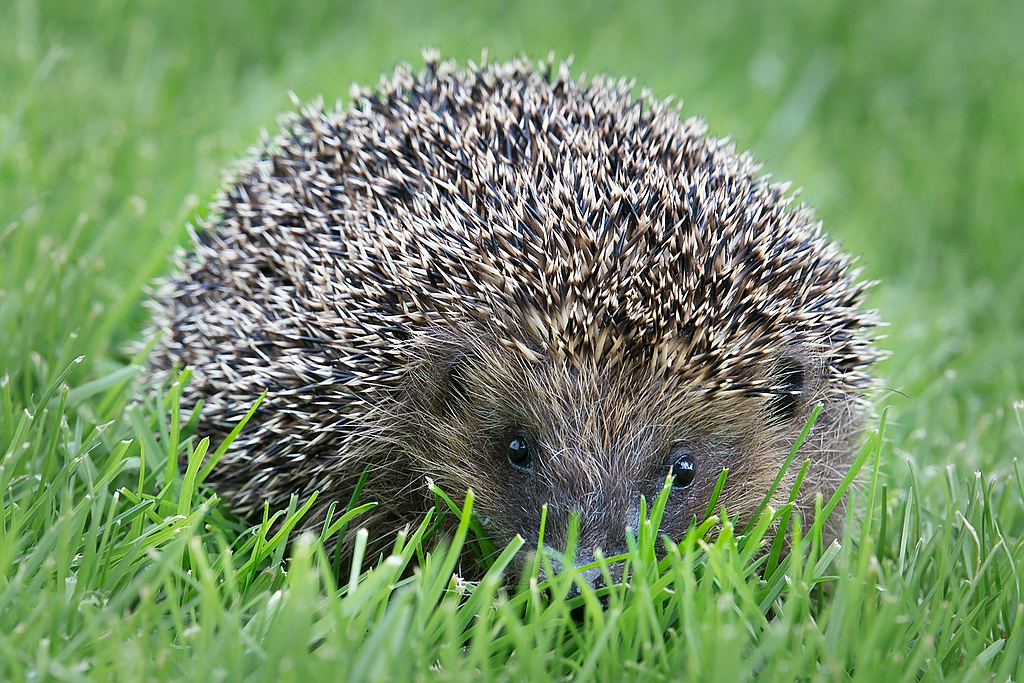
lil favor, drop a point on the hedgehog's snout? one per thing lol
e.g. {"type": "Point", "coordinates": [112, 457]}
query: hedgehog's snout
{"type": "Point", "coordinates": [593, 509]}
{"type": "Point", "coordinates": [596, 574]}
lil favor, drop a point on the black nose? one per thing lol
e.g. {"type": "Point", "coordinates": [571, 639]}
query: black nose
{"type": "Point", "coordinates": [598, 582]}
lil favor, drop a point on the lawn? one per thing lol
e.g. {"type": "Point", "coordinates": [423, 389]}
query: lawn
{"type": "Point", "coordinates": [903, 122]}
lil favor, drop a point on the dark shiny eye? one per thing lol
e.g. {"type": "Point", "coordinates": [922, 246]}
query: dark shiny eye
{"type": "Point", "coordinates": [684, 470]}
{"type": "Point", "coordinates": [520, 451]}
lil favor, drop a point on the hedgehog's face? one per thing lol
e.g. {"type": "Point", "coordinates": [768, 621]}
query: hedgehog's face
{"type": "Point", "coordinates": [591, 441]}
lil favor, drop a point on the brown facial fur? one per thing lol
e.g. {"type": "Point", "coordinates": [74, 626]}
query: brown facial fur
{"type": "Point", "coordinates": [467, 258]}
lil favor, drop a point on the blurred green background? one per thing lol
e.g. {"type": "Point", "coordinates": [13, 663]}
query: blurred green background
{"type": "Point", "coordinates": [902, 121]}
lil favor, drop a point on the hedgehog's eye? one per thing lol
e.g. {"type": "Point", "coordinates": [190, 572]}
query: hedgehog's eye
{"type": "Point", "coordinates": [789, 383]}
{"type": "Point", "coordinates": [683, 469]}
{"type": "Point", "coordinates": [519, 449]}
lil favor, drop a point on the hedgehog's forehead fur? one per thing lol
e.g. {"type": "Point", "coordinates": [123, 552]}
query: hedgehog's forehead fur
{"type": "Point", "coordinates": [571, 219]}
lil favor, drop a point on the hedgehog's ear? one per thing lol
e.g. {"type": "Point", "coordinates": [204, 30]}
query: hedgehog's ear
{"type": "Point", "coordinates": [441, 385]}
{"type": "Point", "coordinates": [440, 382]}
{"type": "Point", "coordinates": [456, 374]}
{"type": "Point", "coordinates": [788, 383]}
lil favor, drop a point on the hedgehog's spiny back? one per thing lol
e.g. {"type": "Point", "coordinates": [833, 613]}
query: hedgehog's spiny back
{"type": "Point", "coordinates": [584, 220]}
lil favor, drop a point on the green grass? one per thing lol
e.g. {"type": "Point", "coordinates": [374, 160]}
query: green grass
{"type": "Point", "coordinates": [902, 121]}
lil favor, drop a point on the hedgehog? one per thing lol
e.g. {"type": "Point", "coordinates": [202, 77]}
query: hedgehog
{"type": "Point", "coordinates": [552, 291]}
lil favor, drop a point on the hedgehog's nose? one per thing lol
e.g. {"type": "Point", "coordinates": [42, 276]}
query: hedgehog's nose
{"type": "Point", "coordinates": [597, 576]}
{"type": "Point", "coordinates": [609, 542]}
{"type": "Point", "coordinates": [594, 575]}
